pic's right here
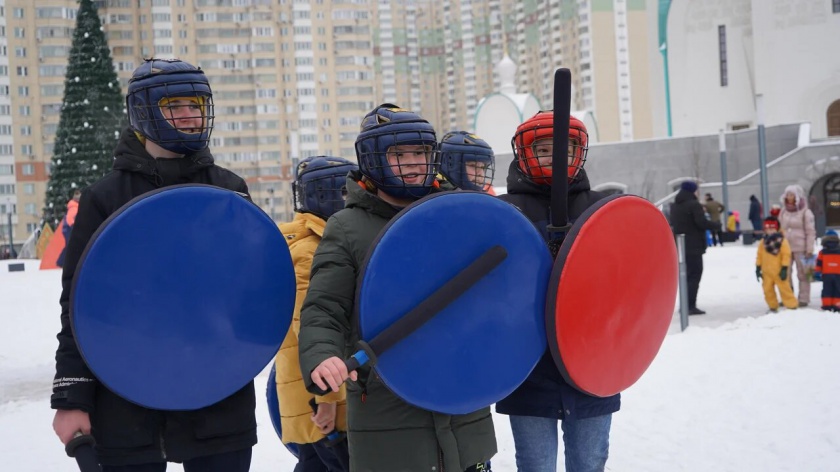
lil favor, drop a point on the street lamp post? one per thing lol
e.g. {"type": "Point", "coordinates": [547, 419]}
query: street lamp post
{"type": "Point", "coordinates": [12, 254]}
{"type": "Point", "coordinates": [762, 152]}
{"type": "Point", "coordinates": [723, 176]}
{"type": "Point", "coordinates": [271, 202]}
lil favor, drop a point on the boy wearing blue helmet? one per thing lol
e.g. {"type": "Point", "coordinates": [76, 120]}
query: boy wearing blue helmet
{"type": "Point", "coordinates": [170, 108]}
{"type": "Point", "coordinates": [319, 191]}
{"type": "Point", "coordinates": [397, 154]}
{"type": "Point", "coordinates": [467, 162]}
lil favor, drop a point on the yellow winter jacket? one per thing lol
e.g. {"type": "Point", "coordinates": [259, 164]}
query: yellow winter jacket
{"type": "Point", "coordinates": [772, 264]}
{"type": "Point", "coordinates": [303, 235]}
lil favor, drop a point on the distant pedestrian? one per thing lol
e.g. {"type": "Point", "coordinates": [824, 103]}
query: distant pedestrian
{"type": "Point", "coordinates": [715, 209]}
{"type": "Point", "coordinates": [687, 217]}
{"type": "Point", "coordinates": [772, 266]}
{"type": "Point", "coordinates": [755, 213]}
{"type": "Point", "coordinates": [827, 271]}
{"type": "Point", "coordinates": [797, 223]}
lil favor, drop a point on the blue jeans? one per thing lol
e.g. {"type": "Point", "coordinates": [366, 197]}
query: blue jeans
{"type": "Point", "coordinates": [586, 443]}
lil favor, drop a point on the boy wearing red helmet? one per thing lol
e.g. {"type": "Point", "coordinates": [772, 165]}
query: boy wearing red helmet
{"type": "Point", "coordinates": [545, 397]}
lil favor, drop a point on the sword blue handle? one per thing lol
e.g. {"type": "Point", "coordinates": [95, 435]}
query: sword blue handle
{"type": "Point", "coordinates": [357, 360]}
{"type": "Point", "coordinates": [334, 436]}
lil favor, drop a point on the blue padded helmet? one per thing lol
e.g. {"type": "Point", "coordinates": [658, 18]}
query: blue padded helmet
{"type": "Point", "coordinates": [152, 86]}
{"type": "Point", "coordinates": [457, 148]}
{"type": "Point", "coordinates": [387, 126]}
{"type": "Point", "coordinates": [320, 185]}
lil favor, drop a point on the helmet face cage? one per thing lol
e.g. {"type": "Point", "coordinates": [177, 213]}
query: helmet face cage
{"type": "Point", "coordinates": [467, 161]}
{"type": "Point", "coordinates": [320, 185]}
{"type": "Point", "coordinates": [397, 151]}
{"type": "Point", "coordinates": [170, 103]}
{"type": "Point", "coordinates": [532, 145]}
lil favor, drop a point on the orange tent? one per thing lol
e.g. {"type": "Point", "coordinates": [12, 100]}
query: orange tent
{"type": "Point", "coordinates": [54, 248]}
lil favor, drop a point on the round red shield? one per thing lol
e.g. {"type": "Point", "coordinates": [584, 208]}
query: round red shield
{"type": "Point", "coordinates": [611, 295]}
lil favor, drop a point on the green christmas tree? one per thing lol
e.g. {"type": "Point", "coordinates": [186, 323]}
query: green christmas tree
{"type": "Point", "coordinates": [92, 115]}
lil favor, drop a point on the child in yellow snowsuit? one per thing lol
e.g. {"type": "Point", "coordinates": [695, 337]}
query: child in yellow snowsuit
{"type": "Point", "coordinates": [772, 266]}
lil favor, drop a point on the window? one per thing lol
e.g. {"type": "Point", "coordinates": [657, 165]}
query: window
{"type": "Point", "coordinates": [29, 189]}
{"type": "Point", "coordinates": [30, 209]}
{"type": "Point", "coordinates": [7, 169]}
{"type": "Point", "coordinates": [20, 52]}
{"type": "Point", "coordinates": [26, 130]}
{"type": "Point", "coordinates": [724, 69]}
{"type": "Point", "coordinates": [23, 91]}
{"type": "Point", "coordinates": [26, 149]}
{"type": "Point", "coordinates": [24, 110]}
{"type": "Point", "coordinates": [27, 169]}
{"type": "Point", "coordinates": [835, 6]}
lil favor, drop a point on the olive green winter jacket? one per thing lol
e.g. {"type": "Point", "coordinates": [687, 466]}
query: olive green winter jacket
{"type": "Point", "coordinates": [385, 433]}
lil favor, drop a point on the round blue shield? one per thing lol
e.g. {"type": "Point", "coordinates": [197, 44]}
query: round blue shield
{"type": "Point", "coordinates": [274, 410]}
{"type": "Point", "coordinates": [182, 297]}
{"type": "Point", "coordinates": [481, 346]}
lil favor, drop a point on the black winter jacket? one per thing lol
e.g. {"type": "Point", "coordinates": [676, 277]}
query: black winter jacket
{"type": "Point", "coordinates": [688, 218]}
{"type": "Point", "coordinates": [545, 393]}
{"type": "Point", "coordinates": [125, 432]}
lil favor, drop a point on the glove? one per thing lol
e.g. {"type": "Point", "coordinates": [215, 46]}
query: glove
{"type": "Point", "coordinates": [783, 273]}
{"type": "Point", "coordinates": [818, 276]}
{"type": "Point", "coordinates": [758, 273]}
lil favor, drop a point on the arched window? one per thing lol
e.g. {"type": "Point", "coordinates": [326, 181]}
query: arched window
{"type": "Point", "coordinates": [833, 118]}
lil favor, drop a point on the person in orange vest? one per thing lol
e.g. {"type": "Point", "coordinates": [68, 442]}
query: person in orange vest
{"type": "Point", "coordinates": [772, 266]}
{"type": "Point", "coordinates": [827, 270]}
{"type": "Point", "coordinates": [68, 222]}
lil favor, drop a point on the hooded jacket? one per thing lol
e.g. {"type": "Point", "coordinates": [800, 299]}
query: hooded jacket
{"type": "Point", "coordinates": [545, 393]}
{"type": "Point", "coordinates": [127, 433]}
{"type": "Point", "coordinates": [386, 434]}
{"type": "Point", "coordinates": [688, 218]}
{"type": "Point", "coordinates": [303, 235]}
{"type": "Point", "coordinates": [798, 225]}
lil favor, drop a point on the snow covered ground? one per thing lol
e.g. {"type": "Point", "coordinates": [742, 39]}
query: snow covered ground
{"type": "Point", "coordinates": [738, 391]}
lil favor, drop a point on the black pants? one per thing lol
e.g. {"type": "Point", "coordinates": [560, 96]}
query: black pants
{"type": "Point", "coordinates": [717, 238]}
{"type": "Point", "coordinates": [694, 272]}
{"type": "Point", "coordinates": [236, 461]}
{"type": "Point", "coordinates": [319, 457]}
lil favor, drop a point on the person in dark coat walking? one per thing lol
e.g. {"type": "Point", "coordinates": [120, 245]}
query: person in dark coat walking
{"type": "Point", "coordinates": [755, 214]}
{"type": "Point", "coordinates": [170, 108]}
{"type": "Point", "coordinates": [688, 218]}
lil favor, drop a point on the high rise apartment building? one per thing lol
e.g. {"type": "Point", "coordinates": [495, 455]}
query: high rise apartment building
{"type": "Point", "coordinates": [292, 78]}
